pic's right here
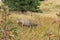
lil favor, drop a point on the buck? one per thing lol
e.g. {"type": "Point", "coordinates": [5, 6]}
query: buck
{"type": "Point", "coordinates": [26, 22]}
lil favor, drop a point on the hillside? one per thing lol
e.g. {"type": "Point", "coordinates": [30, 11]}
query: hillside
{"type": "Point", "coordinates": [50, 6]}
{"type": "Point", "coordinates": [44, 23]}
{"type": "Point", "coordinates": [47, 22]}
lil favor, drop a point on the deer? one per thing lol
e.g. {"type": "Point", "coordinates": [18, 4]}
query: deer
{"type": "Point", "coordinates": [26, 22]}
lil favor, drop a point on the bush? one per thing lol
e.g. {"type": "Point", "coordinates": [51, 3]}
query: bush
{"type": "Point", "coordinates": [23, 5]}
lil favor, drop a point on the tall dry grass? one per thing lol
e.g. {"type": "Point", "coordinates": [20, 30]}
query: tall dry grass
{"type": "Point", "coordinates": [44, 27]}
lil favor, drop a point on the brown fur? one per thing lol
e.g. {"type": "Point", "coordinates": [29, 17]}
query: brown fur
{"type": "Point", "coordinates": [27, 23]}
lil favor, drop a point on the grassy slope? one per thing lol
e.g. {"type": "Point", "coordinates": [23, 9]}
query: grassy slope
{"type": "Point", "coordinates": [44, 26]}
{"type": "Point", "coordinates": [44, 23]}
{"type": "Point", "coordinates": [50, 6]}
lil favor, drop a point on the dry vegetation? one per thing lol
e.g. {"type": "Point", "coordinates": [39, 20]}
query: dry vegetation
{"type": "Point", "coordinates": [44, 27]}
{"type": "Point", "coordinates": [45, 24]}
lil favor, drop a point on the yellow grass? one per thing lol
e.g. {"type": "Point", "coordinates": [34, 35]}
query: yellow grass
{"type": "Point", "coordinates": [44, 23]}
{"type": "Point", "coordinates": [44, 26]}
